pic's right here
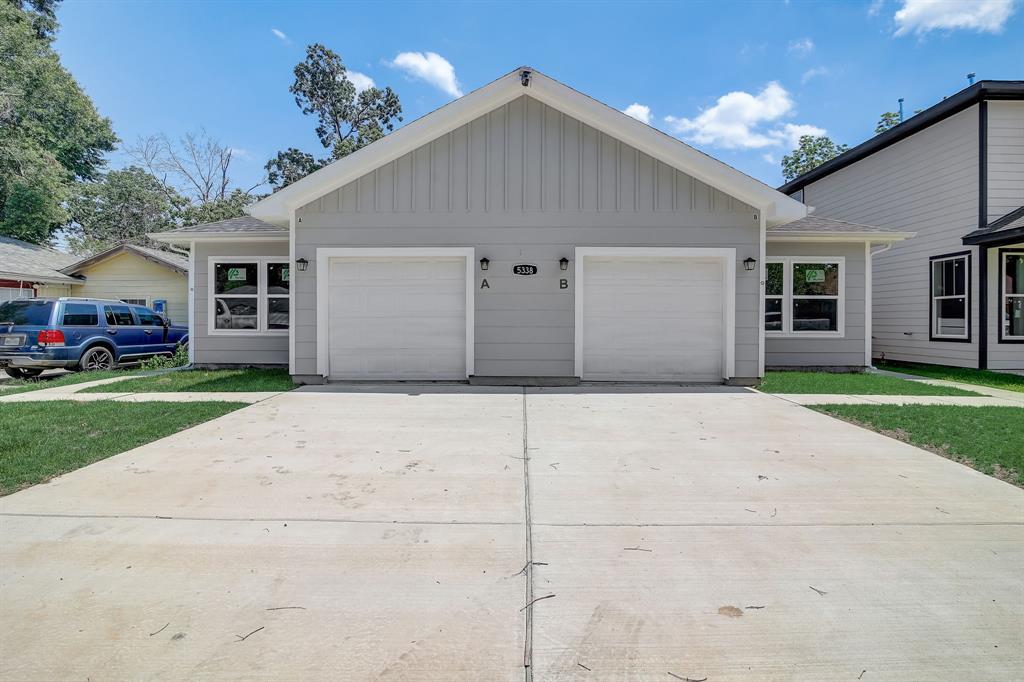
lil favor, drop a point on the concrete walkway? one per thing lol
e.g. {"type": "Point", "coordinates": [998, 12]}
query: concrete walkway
{"type": "Point", "coordinates": [1014, 396]}
{"type": "Point", "coordinates": [72, 392]}
{"type": "Point", "coordinates": [842, 399]}
{"type": "Point", "coordinates": [452, 533]}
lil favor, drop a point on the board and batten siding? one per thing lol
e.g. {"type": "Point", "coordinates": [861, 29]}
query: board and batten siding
{"type": "Point", "coordinates": [845, 351]}
{"type": "Point", "coordinates": [128, 275]}
{"type": "Point", "coordinates": [928, 184]}
{"type": "Point", "coordinates": [526, 184]}
{"type": "Point", "coordinates": [1005, 158]}
{"type": "Point", "coordinates": [235, 349]}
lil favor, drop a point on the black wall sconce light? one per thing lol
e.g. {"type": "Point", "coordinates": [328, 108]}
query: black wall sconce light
{"type": "Point", "coordinates": [302, 264]}
{"type": "Point", "coordinates": [563, 264]}
{"type": "Point", "coordinates": [749, 263]}
{"type": "Point", "coordinates": [484, 263]}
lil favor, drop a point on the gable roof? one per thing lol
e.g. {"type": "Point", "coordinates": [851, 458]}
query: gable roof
{"type": "Point", "coordinates": [244, 227]}
{"type": "Point", "coordinates": [777, 208]}
{"type": "Point", "coordinates": [827, 229]}
{"type": "Point", "coordinates": [32, 263]}
{"type": "Point", "coordinates": [969, 96]}
{"type": "Point", "coordinates": [1003, 230]}
{"type": "Point", "coordinates": [174, 261]}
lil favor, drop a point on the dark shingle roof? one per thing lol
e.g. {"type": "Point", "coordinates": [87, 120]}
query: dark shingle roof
{"type": "Point", "coordinates": [241, 224]}
{"type": "Point", "coordinates": [813, 224]}
{"type": "Point", "coordinates": [33, 262]}
{"type": "Point", "coordinates": [1008, 226]}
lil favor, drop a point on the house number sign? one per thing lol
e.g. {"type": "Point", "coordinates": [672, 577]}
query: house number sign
{"type": "Point", "coordinates": [524, 269]}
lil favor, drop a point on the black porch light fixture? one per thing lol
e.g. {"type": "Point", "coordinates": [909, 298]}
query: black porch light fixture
{"type": "Point", "coordinates": [749, 263]}
{"type": "Point", "coordinates": [563, 264]}
{"type": "Point", "coordinates": [485, 263]}
{"type": "Point", "coordinates": [302, 264]}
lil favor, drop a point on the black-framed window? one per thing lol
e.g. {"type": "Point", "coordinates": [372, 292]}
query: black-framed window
{"type": "Point", "coordinates": [1011, 295]}
{"type": "Point", "coordinates": [949, 297]}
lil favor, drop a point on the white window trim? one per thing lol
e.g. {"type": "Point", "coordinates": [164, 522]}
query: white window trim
{"type": "Point", "coordinates": [262, 299]}
{"type": "Point", "coordinates": [787, 297]}
{"type": "Point", "coordinates": [323, 275]}
{"type": "Point", "coordinates": [144, 304]}
{"type": "Point", "coordinates": [932, 298]}
{"type": "Point", "coordinates": [1003, 296]}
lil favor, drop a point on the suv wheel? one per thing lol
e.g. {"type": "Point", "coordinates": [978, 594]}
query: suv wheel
{"type": "Point", "coordinates": [97, 358]}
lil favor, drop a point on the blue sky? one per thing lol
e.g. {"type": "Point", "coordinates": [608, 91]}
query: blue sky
{"type": "Point", "coordinates": [790, 66]}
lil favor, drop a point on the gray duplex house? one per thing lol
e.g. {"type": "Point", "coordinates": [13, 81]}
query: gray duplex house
{"type": "Point", "coordinates": [528, 232]}
{"type": "Point", "coordinates": [954, 175]}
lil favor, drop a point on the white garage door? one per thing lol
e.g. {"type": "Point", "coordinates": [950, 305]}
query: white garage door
{"type": "Point", "coordinates": [397, 318]}
{"type": "Point", "coordinates": [652, 318]}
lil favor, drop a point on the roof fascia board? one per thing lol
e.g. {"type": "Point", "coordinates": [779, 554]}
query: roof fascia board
{"type": "Point", "coordinates": [996, 238]}
{"type": "Point", "coordinates": [777, 208]}
{"type": "Point", "coordinates": [840, 236]}
{"type": "Point", "coordinates": [184, 238]}
{"type": "Point", "coordinates": [22, 277]}
{"type": "Point", "coordinates": [980, 91]}
{"type": "Point", "coordinates": [76, 268]}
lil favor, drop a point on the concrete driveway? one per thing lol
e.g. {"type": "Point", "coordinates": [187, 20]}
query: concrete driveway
{"type": "Point", "coordinates": [363, 533]}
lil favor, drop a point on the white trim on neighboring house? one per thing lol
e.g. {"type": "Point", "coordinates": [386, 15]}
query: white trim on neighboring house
{"type": "Point", "coordinates": [762, 255]}
{"type": "Point", "coordinates": [777, 207]}
{"type": "Point", "coordinates": [323, 273]}
{"type": "Point", "coordinates": [291, 310]}
{"type": "Point", "coordinates": [726, 255]}
{"type": "Point", "coordinates": [787, 298]}
{"type": "Point", "coordinates": [191, 302]}
{"type": "Point", "coordinates": [261, 296]}
{"type": "Point", "coordinates": [135, 301]}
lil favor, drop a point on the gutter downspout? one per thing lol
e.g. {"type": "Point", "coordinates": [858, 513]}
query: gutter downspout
{"type": "Point", "coordinates": [869, 313]}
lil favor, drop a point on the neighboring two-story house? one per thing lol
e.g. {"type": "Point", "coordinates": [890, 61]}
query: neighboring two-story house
{"type": "Point", "coordinates": [954, 175]}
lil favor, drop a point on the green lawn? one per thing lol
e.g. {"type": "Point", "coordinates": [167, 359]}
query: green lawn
{"type": "Point", "coordinates": [990, 439]}
{"type": "Point", "coordinates": [1009, 382]}
{"type": "Point", "coordinates": [26, 385]}
{"type": "Point", "coordinates": [849, 384]}
{"type": "Point", "coordinates": [205, 381]}
{"type": "Point", "coordinates": [40, 440]}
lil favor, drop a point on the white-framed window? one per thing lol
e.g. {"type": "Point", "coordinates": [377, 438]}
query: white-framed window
{"type": "Point", "coordinates": [1011, 271]}
{"type": "Point", "coordinates": [136, 301]}
{"type": "Point", "coordinates": [249, 295]}
{"type": "Point", "coordinates": [805, 296]}
{"type": "Point", "coordinates": [949, 281]}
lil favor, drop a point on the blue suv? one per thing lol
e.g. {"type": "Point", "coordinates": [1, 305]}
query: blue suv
{"type": "Point", "coordinates": [81, 334]}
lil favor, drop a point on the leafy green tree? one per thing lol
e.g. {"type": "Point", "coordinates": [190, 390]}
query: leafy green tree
{"type": "Point", "coordinates": [51, 135]}
{"type": "Point", "coordinates": [291, 165]}
{"type": "Point", "coordinates": [811, 152]}
{"type": "Point", "coordinates": [231, 206]}
{"type": "Point", "coordinates": [122, 207]}
{"type": "Point", "coordinates": [347, 120]}
{"type": "Point", "coordinates": [889, 119]}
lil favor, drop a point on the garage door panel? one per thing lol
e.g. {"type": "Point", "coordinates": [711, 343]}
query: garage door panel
{"type": "Point", "coordinates": [652, 318]}
{"type": "Point", "coordinates": [397, 318]}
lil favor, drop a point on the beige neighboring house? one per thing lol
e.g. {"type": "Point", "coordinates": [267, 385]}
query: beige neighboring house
{"type": "Point", "coordinates": [134, 274]}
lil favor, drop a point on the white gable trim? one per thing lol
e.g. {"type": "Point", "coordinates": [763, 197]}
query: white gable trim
{"type": "Point", "coordinates": [777, 207]}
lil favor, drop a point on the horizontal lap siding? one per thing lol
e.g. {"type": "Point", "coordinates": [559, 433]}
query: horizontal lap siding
{"type": "Point", "coordinates": [847, 351]}
{"type": "Point", "coordinates": [129, 275]}
{"type": "Point", "coordinates": [526, 184]}
{"type": "Point", "coordinates": [1005, 158]}
{"type": "Point", "coordinates": [928, 184]}
{"type": "Point", "coordinates": [233, 349]}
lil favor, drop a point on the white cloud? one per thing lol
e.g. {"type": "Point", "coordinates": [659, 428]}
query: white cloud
{"type": "Point", "coordinates": [281, 35]}
{"type": "Point", "coordinates": [360, 80]}
{"type": "Point", "coordinates": [922, 16]}
{"type": "Point", "coordinates": [431, 67]}
{"type": "Point", "coordinates": [240, 153]}
{"type": "Point", "coordinates": [813, 73]}
{"type": "Point", "coordinates": [801, 47]}
{"type": "Point", "coordinates": [875, 7]}
{"type": "Point", "coordinates": [640, 112]}
{"type": "Point", "coordinates": [733, 120]}
{"type": "Point", "coordinates": [768, 158]}
{"type": "Point", "coordinates": [790, 134]}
